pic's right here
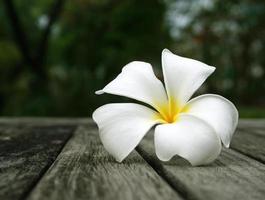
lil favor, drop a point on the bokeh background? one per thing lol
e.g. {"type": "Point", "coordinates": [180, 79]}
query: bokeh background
{"type": "Point", "coordinates": [55, 53]}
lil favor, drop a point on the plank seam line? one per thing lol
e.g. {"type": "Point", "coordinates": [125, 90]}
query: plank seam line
{"type": "Point", "coordinates": [175, 184]}
{"type": "Point", "coordinates": [248, 131]}
{"type": "Point", "coordinates": [248, 155]}
{"type": "Point", "coordinates": [46, 168]}
{"type": "Point", "coordinates": [251, 131]}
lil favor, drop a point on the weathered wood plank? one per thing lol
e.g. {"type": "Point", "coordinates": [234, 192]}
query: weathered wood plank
{"type": "Point", "coordinates": [251, 123]}
{"type": "Point", "coordinates": [254, 123]}
{"type": "Point", "coordinates": [84, 170]}
{"type": "Point", "coordinates": [25, 153]}
{"type": "Point", "coordinates": [253, 130]}
{"type": "Point", "coordinates": [44, 121]}
{"type": "Point", "coordinates": [250, 142]}
{"type": "Point", "coordinates": [232, 176]}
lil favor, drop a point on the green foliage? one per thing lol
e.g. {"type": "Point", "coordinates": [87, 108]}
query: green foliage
{"type": "Point", "coordinates": [251, 112]}
{"type": "Point", "coordinates": [93, 39]}
{"type": "Point", "coordinates": [88, 46]}
{"type": "Point", "coordinates": [228, 35]}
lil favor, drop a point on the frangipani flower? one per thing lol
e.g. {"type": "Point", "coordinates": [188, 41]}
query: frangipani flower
{"type": "Point", "coordinates": [193, 129]}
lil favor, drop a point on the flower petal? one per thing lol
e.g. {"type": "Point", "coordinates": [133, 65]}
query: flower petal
{"type": "Point", "coordinates": [217, 111]}
{"type": "Point", "coordinates": [183, 76]}
{"type": "Point", "coordinates": [122, 126]}
{"type": "Point", "coordinates": [190, 138]}
{"type": "Point", "coordinates": [138, 81]}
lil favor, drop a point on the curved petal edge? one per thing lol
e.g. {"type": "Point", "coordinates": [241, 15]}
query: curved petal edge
{"type": "Point", "coordinates": [138, 81]}
{"type": "Point", "coordinates": [217, 111]}
{"type": "Point", "coordinates": [122, 126]}
{"type": "Point", "coordinates": [183, 76]}
{"type": "Point", "coordinates": [190, 138]}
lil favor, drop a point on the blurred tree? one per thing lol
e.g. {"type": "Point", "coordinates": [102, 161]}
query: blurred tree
{"type": "Point", "coordinates": [88, 47]}
{"type": "Point", "coordinates": [229, 35]}
{"type": "Point", "coordinates": [33, 59]}
{"type": "Point", "coordinates": [55, 53]}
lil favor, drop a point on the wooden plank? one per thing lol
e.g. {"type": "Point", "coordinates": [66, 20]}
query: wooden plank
{"type": "Point", "coordinates": [44, 121]}
{"type": "Point", "coordinates": [232, 176]}
{"type": "Point", "coordinates": [84, 170]}
{"type": "Point", "coordinates": [251, 123]}
{"type": "Point", "coordinates": [250, 142]}
{"type": "Point", "coordinates": [25, 153]}
{"type": "Point", "coordinates": [253, 130]}
{"type": "Point", "coordinates": [243, 123]}
{"type": "Point", "coordinates": [254, 123]}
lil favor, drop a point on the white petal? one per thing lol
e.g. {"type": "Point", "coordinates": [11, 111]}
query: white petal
{"type": "Point", "coordinates": [183, 76]}
{"type": "Point", "coordinates": [217, 111]}
{"type": "Point", "coordinates": [138, 81]}
{"type": "Point", "coordinates": [122, 126]}
{"type": "Point", "coordinates": [190, 138]}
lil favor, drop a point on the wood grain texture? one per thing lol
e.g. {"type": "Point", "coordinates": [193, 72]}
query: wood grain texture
{"type": "Point", "coordinates": [30, 167]}
{"type": "Point", "coordinates": [84, 170]}
{"type": "Point", "coordinates": [44, 121]}
{"type": "Point", "coordinates": [232, 176]}
{"type": "Point", "coordinates": [251, 123]}
{"type": "Point", "coordinates": [251, 142]}
{"type": "Point", "coordinates": [25, 153]}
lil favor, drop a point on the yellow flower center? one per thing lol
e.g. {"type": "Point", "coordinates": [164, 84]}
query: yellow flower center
{"type": "Point", "coordinates": [168, 113]}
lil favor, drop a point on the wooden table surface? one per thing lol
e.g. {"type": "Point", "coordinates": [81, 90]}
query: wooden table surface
{"type": "Point", "coordinates": [46, 158]}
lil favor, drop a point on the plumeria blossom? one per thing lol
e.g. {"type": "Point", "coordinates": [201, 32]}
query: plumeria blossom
{"type": "Point", "coordinates": [193, 129]}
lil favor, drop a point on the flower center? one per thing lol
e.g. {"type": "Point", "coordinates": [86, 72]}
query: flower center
{"type": "Point", "coordinates": [169, 112]}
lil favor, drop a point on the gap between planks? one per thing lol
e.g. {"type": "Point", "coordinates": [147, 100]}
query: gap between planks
{"type": "Point", "coordinates": [175, 184]}
{"type": "Point", "coordinates": [250, 142]}
{"type": "Point", "coordinates": [84, 170]}
{"type": "Point", "coordinates": [239, 168]}
{"type": "Point", "coordinates": [43, 171]}
{"type": "Point", "coordinates": [26, 152]}
{"type": "Point", "coordinates": [181, 186]}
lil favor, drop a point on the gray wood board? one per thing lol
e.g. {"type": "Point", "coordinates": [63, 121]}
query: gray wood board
{"type": "Point", "coordinates": [251, 123]}
{"type": "Point", "coordinates": [84, 170]}
{"type": "Point", "coordinates": [44, 121]}
{"type": "Point", "coordinates": [250, 142]}
{"type": "Point", "coordinates": [25, 153]}
{"type": "Point", "coordinates": [232, 176]}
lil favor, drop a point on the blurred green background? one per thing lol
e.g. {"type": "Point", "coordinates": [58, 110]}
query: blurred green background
{"type": "Point", "coordinates": [55, 53]}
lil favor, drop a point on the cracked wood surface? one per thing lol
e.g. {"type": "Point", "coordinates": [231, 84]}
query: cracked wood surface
{"type": "Point", "coordinates": [84, 170]}
{"type": "Point", "coordinates": [25, 154]}
{"type": "Point", "coordinates": [55, 158]}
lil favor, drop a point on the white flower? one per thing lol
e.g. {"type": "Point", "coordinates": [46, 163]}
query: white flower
{"type": "Point", "coordinates": [192, 129]}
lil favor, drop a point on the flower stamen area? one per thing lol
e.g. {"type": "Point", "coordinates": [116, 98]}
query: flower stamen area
{"type": "Point", "coordinates": [168, 113]}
